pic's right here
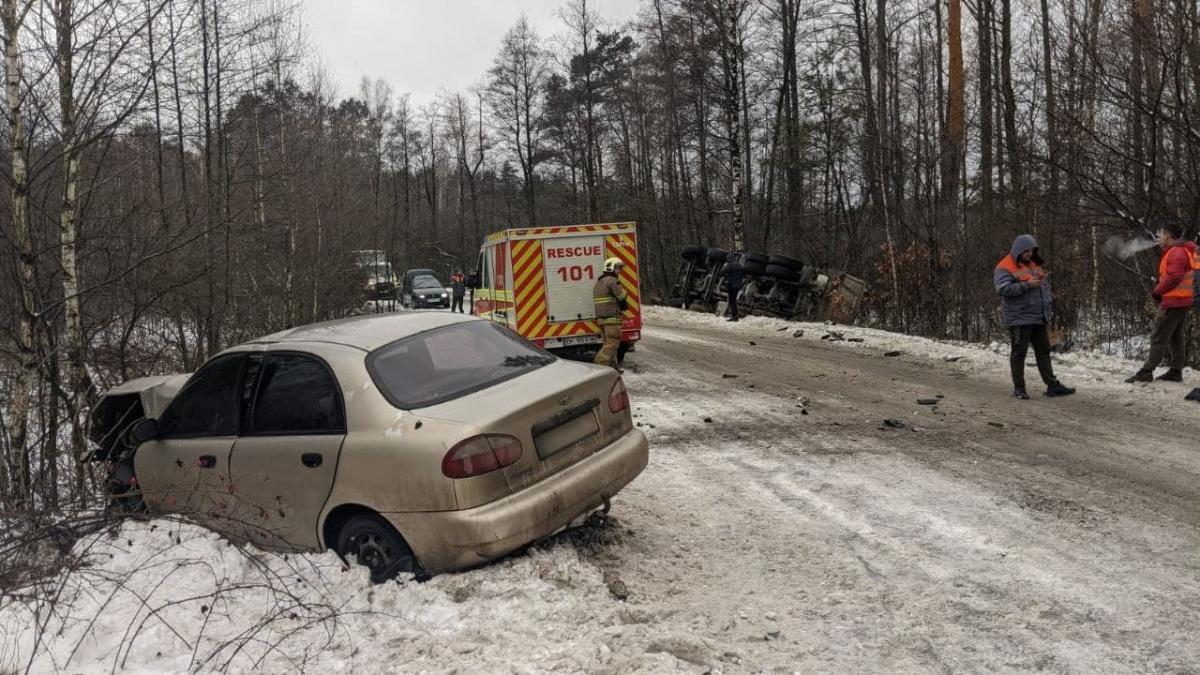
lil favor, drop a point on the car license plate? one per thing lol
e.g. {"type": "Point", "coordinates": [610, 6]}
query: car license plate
{"type": "Point", "coordinates": [582, 340]}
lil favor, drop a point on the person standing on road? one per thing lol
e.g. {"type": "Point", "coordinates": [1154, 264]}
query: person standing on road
{"type": "Point", "coordinates": [1175, 294]}
{"type": "Point", "coordinates": [735, 276]}
{"type": "Point", "coordinates": [458, 290]}
{"type": "Point", "coordinates": [610, 301]}
{"type": "Point", "coordinates": [1026, 300]}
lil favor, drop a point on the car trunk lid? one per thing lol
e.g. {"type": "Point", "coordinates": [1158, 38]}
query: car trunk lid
{"type": "Point", "coordinates": [560, 414]}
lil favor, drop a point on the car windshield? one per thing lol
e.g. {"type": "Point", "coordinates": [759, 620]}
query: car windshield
{"type": "Point", "coordinates": [427, 283]}
{"type": "Point", "coordinates": [447, 363]}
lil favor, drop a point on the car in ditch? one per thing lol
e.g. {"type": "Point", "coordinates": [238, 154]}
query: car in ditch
{"type": "Point", "coordinates": [421, 442]}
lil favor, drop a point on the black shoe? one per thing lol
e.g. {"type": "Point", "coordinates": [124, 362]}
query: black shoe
{"type": "Point", "coordinates": [1141, 376]}
{"type": "Point", "coordinates": [1171, 375]}
{"type": "Point", "coordinates": [732, 319]}
{"type": "Point", "coordinates": [1019, 392]}
{"type": "Point", "coordinates": [1058, 389]}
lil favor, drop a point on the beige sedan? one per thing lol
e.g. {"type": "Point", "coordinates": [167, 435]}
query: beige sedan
{"type": "Point", "coordinates": [417, 442]}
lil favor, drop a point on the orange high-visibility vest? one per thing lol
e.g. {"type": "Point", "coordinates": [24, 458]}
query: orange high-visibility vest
{"type": "Point", "coordinates": [1023, 273]}
{"type": "Point", "coordinates": [1186, 290]}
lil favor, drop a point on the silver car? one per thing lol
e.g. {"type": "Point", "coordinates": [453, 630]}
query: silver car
{"type": "Point", "coordinates": [419, 442]}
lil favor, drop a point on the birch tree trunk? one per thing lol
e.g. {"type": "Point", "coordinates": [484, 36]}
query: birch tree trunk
{"type": "Point", "coordinates": [79, 382]}
{"type": "Point", "coordinates": [18, 462]}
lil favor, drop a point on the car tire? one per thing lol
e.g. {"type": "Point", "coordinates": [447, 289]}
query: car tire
{"type": "Point", "coordinates": [368, 540]}
{"type": "Point", "coordinates": [694, 253]}
{"type": "Point", "coordinates": [757, 258]}
{"type": "Point", "coordinates": [782, 273]}
{"type": "Point", "coordinates": [784, 261]}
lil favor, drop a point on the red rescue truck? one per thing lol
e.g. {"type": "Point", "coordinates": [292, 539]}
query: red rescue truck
{"type": "Point", "coordinates": [538, 282]}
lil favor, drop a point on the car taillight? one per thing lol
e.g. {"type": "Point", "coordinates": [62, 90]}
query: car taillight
{"type": "Point", "coordinates": [481, 454]}
{"type": "Point", "coordinates": [618, 399]}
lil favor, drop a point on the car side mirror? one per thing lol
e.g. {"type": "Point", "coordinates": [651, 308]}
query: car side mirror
{"type": "Point", "coordinates": [144, 430]}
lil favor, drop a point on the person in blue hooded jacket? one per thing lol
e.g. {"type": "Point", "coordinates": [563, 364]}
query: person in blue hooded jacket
{"type": "Point", "coordinates": [1026, 301]}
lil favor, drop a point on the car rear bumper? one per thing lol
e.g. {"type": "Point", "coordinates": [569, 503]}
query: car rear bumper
{"type": "Point", "coordinates": [452, 540]}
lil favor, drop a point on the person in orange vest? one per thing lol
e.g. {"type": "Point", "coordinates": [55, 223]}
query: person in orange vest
{"type": "Point", "coordinates": [1026, 301]}
{"type": "Point", "coordinates": [1175, 294]}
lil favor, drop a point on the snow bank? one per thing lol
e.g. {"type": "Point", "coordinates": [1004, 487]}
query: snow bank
{"type": "Point", "coordinates": [167, 597]}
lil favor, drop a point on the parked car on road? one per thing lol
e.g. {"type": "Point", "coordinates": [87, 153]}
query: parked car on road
{"type": "Point", "coordinates": [420, 442]}
{"type": "Point", "coordinates": [423, 290]}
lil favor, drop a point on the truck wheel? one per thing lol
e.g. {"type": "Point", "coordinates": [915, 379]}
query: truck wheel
{"type": "Point", "coordinates": [754, 268]}
{"type": "Point", "coordinates": [718, 255]}
{"type": "Point", "coordinates": [782, 273]}
{"type": "Point", "coordinates": [784, 261]}
{"type": "Point", "coordinates": [695, 254]}
{"type": "Point", "coordinates": [371, 541]}
{"type": "Point", "coordinates": [756, 258]}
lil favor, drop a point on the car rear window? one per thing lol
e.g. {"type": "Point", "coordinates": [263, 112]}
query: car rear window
{"type": "Point", "coordinates": [446, 363]}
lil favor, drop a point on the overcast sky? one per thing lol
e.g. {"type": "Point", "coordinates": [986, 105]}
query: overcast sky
{"type": "Point", "coordinates": [421, 46]}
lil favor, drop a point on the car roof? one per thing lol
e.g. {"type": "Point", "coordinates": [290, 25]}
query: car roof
{"type": "Point", "coordinates": [368, 331]}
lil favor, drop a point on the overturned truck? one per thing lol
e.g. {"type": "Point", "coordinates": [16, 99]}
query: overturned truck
{"type": "Point", "coordinates": [773, 286]}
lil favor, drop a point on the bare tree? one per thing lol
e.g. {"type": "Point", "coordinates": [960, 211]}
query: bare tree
{"type": "Point", "coordinates": [516, 87]}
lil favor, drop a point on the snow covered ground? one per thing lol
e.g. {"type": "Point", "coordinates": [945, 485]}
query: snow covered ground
{"type": "Point", "coordinates": [780, 526]}
{"type": "Point", "coordinates": [164, 597]}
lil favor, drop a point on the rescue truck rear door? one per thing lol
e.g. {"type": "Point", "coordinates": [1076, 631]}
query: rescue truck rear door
{"type": "Point", "coordinates": [572, 266]}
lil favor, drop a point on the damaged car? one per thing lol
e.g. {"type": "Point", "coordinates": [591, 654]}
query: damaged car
{"type": "Point", "coordinates": [414, 443]}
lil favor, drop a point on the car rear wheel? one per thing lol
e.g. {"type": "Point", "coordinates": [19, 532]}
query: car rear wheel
{"type": "Point", "coordinates": [371, 541]}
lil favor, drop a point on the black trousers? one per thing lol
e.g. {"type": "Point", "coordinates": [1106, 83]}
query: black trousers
{"type": "Point", "coordinates": [1022, 338]}
{"type": "Point", "coordinates": [457, 304]}
{"type": "Point", "coordinates": [733, 299]}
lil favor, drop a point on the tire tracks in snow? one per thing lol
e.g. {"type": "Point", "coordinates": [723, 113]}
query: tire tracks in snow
{"type": "Point", "coordinates": [1051, 543]}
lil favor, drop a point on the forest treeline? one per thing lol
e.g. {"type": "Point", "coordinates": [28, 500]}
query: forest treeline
{"type": "Point", "coordinates": [182, 175]}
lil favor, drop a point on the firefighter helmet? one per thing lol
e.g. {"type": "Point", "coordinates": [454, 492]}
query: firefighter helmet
{"type": "Point", "coordinates": [613, 264]}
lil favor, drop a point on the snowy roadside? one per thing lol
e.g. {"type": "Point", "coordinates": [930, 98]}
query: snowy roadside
{"type": "Point", "coordinates": [163, 597]}
{"type": "Point", "coordinates": [1095, 369]}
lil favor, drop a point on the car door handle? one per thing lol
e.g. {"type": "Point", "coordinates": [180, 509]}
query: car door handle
{"type": "Point", "coordinates": [206, 461]}
{"type": "Point", "coordinates": [312, 459]}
